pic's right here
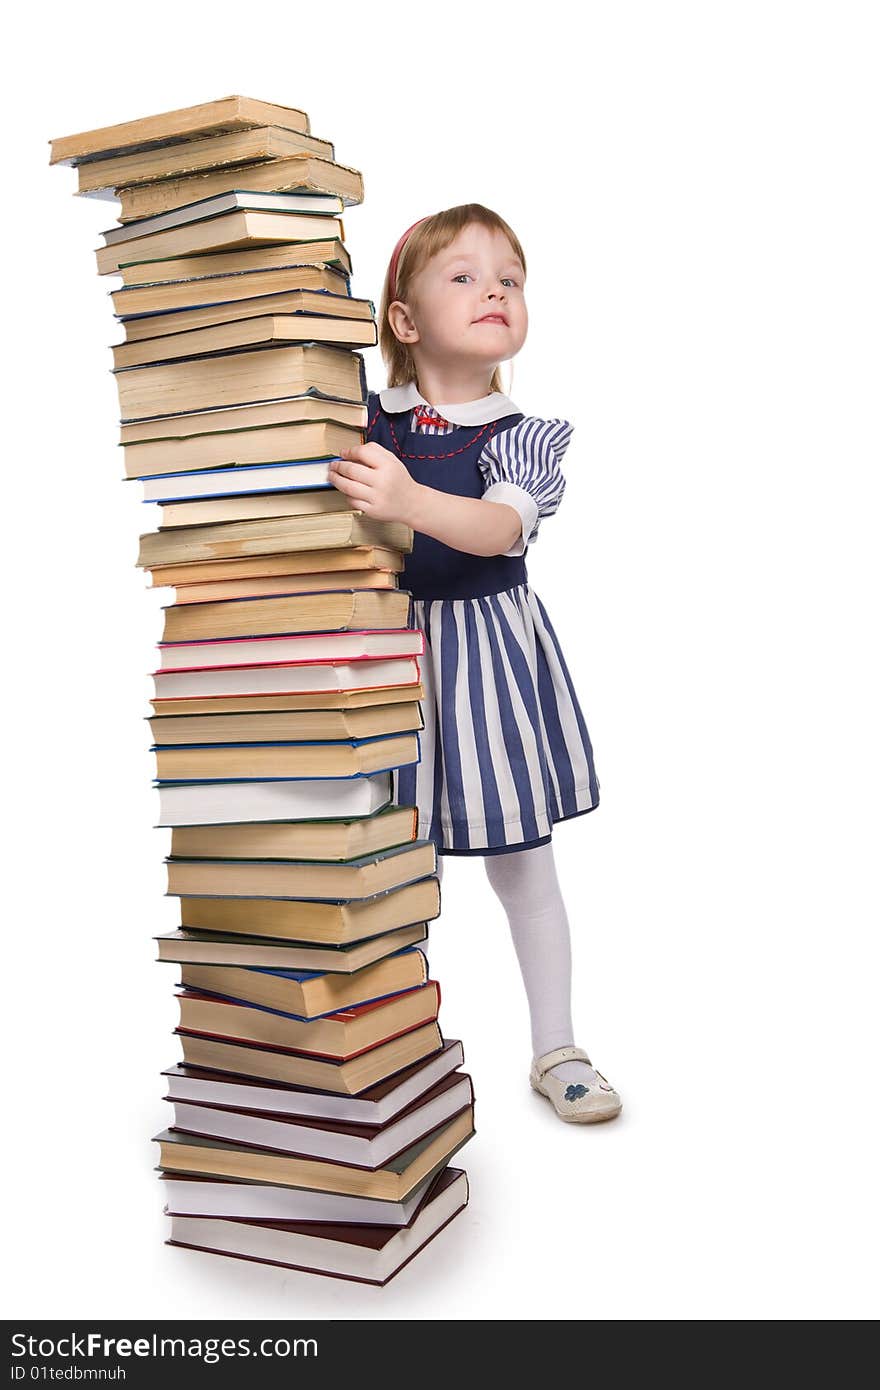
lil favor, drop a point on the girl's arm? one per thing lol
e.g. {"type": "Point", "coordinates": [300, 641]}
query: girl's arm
{"type": "Point", "coordinates": [378, 483]}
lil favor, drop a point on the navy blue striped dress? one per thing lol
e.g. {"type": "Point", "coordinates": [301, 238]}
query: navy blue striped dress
{"type": "Point", "coordinates": [505, 751]}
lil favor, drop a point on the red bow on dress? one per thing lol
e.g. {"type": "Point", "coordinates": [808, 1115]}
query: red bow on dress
{"type": "Point", "coordinates": [422, 417]}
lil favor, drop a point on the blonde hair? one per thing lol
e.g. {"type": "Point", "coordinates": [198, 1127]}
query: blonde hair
{"type": "Point", "coordinates": [424, 242]}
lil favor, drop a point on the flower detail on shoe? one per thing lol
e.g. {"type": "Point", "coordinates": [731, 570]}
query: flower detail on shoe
{"type": "Point", "coordinates": [576, 1092]}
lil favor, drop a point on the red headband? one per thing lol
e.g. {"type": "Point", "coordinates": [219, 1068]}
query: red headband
{"type": "Point", "coordinates": [395, 256]}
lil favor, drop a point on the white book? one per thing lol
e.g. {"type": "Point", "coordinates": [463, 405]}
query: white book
{"type": "Point", "coordinates": [257, 1201]}
{"type": "Point", "coordinates": [302, 647]}
{"type": "Point", "coordinates": [231, 803]}
{"type": "Point", "coordinates": [324, 204]}
{"type": "Point", "coordinates": [289, 1135]}
{"type": "Point", "coordinates": [243, 478]}
{"type": "Point", "coordinates": [242, 1093]}
{"type": "Point", "coordinates": [285, 679]}
{"type": "Point", "coordinates": [373, 1257]}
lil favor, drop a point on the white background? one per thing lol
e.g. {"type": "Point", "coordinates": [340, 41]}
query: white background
{"type": "Point", "coordinates": [695, 187]}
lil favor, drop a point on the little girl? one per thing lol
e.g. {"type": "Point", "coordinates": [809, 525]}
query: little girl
{"type": "Point", "coordinates": [505, 751]}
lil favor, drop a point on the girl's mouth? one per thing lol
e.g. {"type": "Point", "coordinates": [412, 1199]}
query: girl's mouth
{"type": "Point", "coordinates": [492, 318]}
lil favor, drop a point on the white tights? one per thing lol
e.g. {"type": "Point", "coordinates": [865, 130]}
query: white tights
{"type": "Point", "coordinates": [526, 884]}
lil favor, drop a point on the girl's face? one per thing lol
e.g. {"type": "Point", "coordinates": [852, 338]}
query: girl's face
{"type": "Point", "coordinates": [468, 302]}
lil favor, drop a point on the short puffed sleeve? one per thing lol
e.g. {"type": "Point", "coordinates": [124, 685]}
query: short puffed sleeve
{"type": "Point", "coordinates": [521, 466]}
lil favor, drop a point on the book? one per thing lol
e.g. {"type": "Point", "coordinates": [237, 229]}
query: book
{"type": "Point", "coordinates": [394, 1182]}
{"type": "Point", "coordinates": [219, 803]}
{"type": "Point", "coordinates": [362, 697]}
{"type": "Point", "coordinates": [275, 585]}
{"type": "Point", "coordinates": [282, 726]}
{"type": "Point", "coordinates": [194, 1195]}
{"type": "Point", "coordinates": [185, 318]}
{"type": "Point", "coordinates": [240, 506]}
{"type": "Point", "coordinates": [229, 231]}
{"type": "Point", "coordinates": [375, 1106]}
{"type": "Point", "coordinates": [321, 251]}
{"type": "Point", "coordinates": [303, 562]}
{"type": "Point", "coordinates": [324, 611]}
{"type": "Point", "coordinates": [365, 1254]}
{"type": "Point", "coordinates": [339, 1036]}
{"type": "Point", "coordinates": [170, 127]}
{"type": "Point", "coordinates": [246, 762]}
{"type": "Point", "coordinates": [215, 204]}
{"type": "Point", "coordinates": [339, 1141]}
{"type": "Point", "coordinates": [214, 948]}
{"type": "Point", "coordinates": [289, 1067]}
{"type": "Point", "coordinates": [308, 993]}
{"type": "Point", "coordinates": [100, 177]}
{"type": "Point", "coordinates": [240, 378]}
{"type": "Point", "coordinates": [225, 287]}
{"type": "Point", "coordinates": [236, 334]}
{"type": "Point", "coordinates": [322, 840]}
{"type": "Point", "coordinates": [306, 648]}
{"type": "Point", "coordinates": [287, 878]}
{"type": "Point", "coordinates": [246, 480]}
{"type": "Point", "coordinates": [292, 677]}
{"type": "Point", "coordinates": [315, 921]}
{"type": "Point", "coordinates": [239, 444]}
{"type": "Point", "coordinates": [270, 586]}
{"type": "Point", "coordinates": [274, 177]}
{"type": "Point", "coordinates": [271, 536]}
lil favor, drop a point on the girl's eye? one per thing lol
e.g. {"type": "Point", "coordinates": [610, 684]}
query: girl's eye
{"type": "Point", "coordinates": [509, 279]}
{"type": "Point", "coordinates": [461, 276]}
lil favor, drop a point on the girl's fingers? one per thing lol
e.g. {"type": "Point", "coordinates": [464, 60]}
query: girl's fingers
{"type": "Point", "coordinates": [351, 469]}
{"type": "Point", "coordinates": [350, 486]}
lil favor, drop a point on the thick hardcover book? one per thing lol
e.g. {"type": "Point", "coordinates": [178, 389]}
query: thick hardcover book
{"type": "Point", "coordinates": [368, 1254]}
{"type": "Point", "coordinates": [376, 1105]}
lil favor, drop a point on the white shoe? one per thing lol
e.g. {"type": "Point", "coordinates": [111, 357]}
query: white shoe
{"type": "Point", "coordinates": [573, 1101]}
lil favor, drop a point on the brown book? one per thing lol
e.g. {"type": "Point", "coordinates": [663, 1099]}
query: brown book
{"type": "Point", "coordinates": [298, 840]}
{"type": "Point", "coordinates": [192, 1154]}
{"type": "Point", "coordinates": [302, 172]}
{"type": "Point", "coordinates": [198, 156]}
{"type": "Point", "coordinates": [338, 1035]}
{"type": "Point", "coordinates": [271, 535]}
{"type": "Point", "coordinates": [337, 1141]}
{"type": "Point", "coordinates": [258, 761]}
{"type": "Point", "coordinates": [211, 511]}
{"type": "Point", "coordinates": [263, 587]}
{"type": "Point", "coordinates": [231, 230]}
{"type": "Point", "coordinates": [354, 880]}
{"type": "Point", "coordinates": [303, 920]}
{"type": "Point", "coordinates": [310, 997]}
{"type": "Point", "coordinates": [306, 700]}
{"type": "Point", "coordinates": [256, 332]}
{"type": "Point", "coordinates": [145, 270]}
{"type": "Point", "coordinates": [341, 1250]}
{"type": "Point", "coordinates": [188, 123]}
{"type": "Point", "coordinates": [306, 301]}
{"type": "Point", "coordinates": [288, 1067]}
{"type": "Point", "coordinates": [225, 449]}
{"type": "Point", "coordinates": [226, 379]}
{"type": "Point", "coordinates": [332, 610]}
{"type": "Point", "coordinates": [306, 562]}
{"type": "Point", "coordinates": [226, 288]}
{"type": "Point", "coordinates": [288, 726]}
{"type": "Point", "coordinates": [213, 948]}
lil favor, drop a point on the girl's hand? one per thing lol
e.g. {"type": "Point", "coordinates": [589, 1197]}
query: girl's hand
{"type": "Point", "coordinates": [376, 482]}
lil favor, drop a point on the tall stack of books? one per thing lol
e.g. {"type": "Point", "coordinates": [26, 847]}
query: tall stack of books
{"type": "Point", "coordinates": [317, 1105]}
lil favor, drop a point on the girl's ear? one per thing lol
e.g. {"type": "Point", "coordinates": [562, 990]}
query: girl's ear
{"type": "Point", "coordinates": [402, 324]}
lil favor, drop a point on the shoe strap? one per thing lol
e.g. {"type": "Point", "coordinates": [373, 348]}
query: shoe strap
{"type": "Point", "coordinates": [559, 1054]}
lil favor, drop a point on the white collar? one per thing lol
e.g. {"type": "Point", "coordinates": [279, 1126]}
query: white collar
{"type": "Point", "coordinates": [491, 407]}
